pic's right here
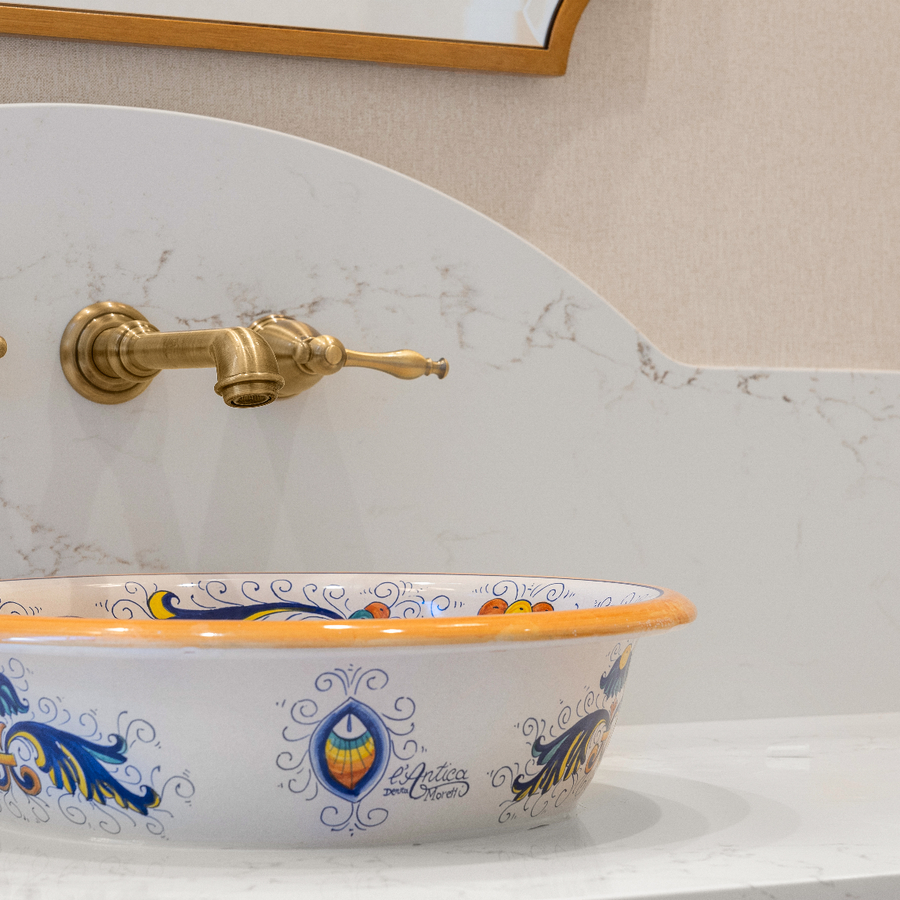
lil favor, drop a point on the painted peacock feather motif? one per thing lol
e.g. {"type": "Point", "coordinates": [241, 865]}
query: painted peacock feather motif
{"type": "Point", "coordinates": [575, 749]}
{"type": "Point", "coordinates": [10, 704]}
{"type": "Point", "coordinates": [74, 764]}
{"type": "Point", "coordinates": [349, 750]}
{"type": "Point", "coordinates": [614, 680]}
{"type": "Point", "coordinates": [161, 606]}
{"type": "Point", "coordinates": [561, 757]}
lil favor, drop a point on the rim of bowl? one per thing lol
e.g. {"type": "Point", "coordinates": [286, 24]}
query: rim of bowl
{"type": "Point", "coordinates": [666, 611]}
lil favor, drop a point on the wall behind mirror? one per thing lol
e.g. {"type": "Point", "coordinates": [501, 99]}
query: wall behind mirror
{"type": "Point", "coordinates": [725, 172]}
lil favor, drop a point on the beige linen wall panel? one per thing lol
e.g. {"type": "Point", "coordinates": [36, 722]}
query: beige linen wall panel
{"type": "Point", "coordinates": [725, 173]}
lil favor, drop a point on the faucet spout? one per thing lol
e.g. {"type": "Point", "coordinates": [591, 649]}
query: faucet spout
{"type": "Point", "coordinates": [246, 368]}
{"type": "Point", "coordinates": [110, 353]}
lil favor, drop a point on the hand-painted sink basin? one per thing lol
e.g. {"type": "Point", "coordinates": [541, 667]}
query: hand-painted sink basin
{"type": "Point", "coordinates": [300, 710]}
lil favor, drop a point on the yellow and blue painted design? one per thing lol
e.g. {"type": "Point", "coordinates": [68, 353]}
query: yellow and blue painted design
{"type": "Point", "coordinates": [162, 605]}
{"type": "Point", "coordinates": [578, 749]}
{"type": "Point", "coordinates": [392, 600]}
{"type": "Point", "coordinates": [614, 680]}
{"type": "Point", "coordinates": [562, 757]}
{"type": "Point", "coordinates": [72, 763]}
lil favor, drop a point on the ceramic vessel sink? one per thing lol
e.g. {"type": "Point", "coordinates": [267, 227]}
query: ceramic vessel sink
{"type": "Point", "coordinates": [300, 710]}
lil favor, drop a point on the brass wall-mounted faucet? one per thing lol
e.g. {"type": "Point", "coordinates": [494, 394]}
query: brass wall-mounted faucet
{"type": "Point", "coordinates": [110, 353]}
{"type": "Point", "coordinates": [2, 347]}
{"type": "Point", "coordinates": [305, 356]}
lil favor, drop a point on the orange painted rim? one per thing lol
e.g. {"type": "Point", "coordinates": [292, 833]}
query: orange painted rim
{"type": "Point", "coordinates": [666, 611]}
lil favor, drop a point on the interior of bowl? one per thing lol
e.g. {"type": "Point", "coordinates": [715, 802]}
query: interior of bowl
{"type": "Point", "coordinates": [286, 597]}
{"type": "Point", "coordinates": [319, 610]}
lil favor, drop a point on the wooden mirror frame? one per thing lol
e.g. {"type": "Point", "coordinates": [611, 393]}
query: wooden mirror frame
{"type": "Point", "coordinates": [56, 22]}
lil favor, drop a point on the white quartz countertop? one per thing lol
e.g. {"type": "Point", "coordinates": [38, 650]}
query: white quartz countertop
{"type": "Point", "coordinates": [777, 808]}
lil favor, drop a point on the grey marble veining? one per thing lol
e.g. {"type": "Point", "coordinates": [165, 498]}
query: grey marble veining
{"type": "Point", "coordinates": [562, 443]}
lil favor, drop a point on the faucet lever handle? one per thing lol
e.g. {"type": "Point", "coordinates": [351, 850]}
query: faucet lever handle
{"type": "Point", "coordinates": [405, 364]}
{"type": "Point", "coordinates": [325, 355]}
{"type": "Point", "coordinates": [305, 356]}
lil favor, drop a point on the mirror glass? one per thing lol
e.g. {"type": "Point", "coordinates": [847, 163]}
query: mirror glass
{"type": "Point", "coordinates": [526, 36]}
{"type": "Point", "coordinates": [516, 22]}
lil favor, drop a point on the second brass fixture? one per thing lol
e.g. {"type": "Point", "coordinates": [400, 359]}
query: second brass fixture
{"type": "Point", "coordinates": [110, 353]}
{"type": "Point", "coordinates": [305, 356]}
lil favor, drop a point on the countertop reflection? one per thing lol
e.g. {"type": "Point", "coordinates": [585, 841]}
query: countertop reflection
{"type": "Point", "coordinates": [722, 809]}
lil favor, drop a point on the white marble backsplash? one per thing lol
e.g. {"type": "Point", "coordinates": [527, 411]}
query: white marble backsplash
{"type": "Point", "coordinates": [562, 443]}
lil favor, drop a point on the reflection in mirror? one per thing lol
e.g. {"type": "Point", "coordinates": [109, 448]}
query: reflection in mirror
{"type": "Point", "coordinates": [525, 36]}
{"type": "Point", "coordinates": [524, 22]}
